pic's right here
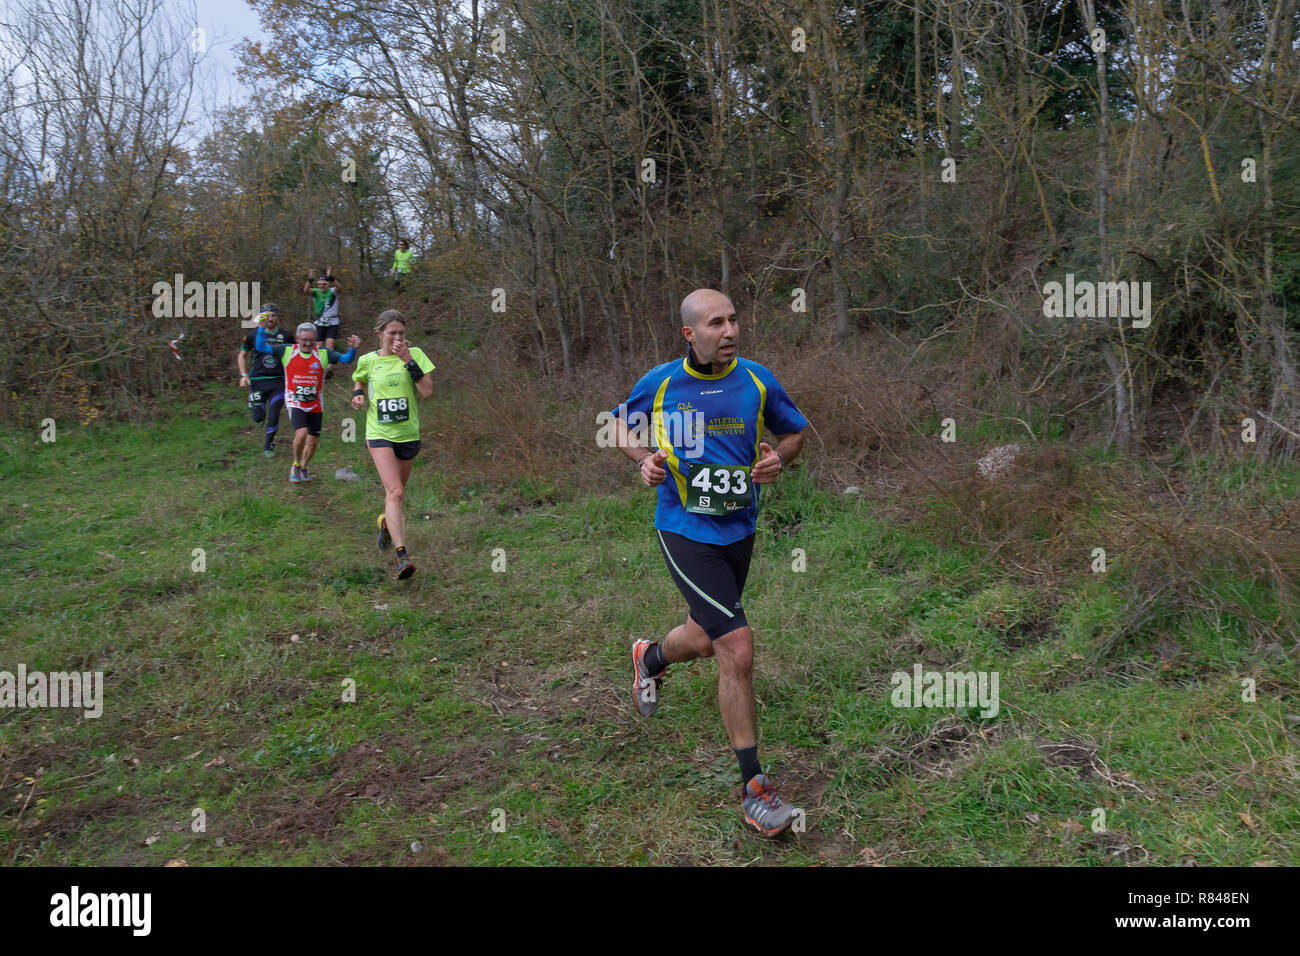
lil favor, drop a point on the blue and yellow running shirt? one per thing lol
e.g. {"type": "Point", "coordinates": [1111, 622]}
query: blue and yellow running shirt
{"type": "Point", "coordinates": [710, 426]}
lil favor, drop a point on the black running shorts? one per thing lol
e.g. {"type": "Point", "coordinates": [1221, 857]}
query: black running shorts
{"type": "Point", "coordinates": [403, 450]}
{"type": "Point", "coordinates": [308, 420]}
{"type": "Point", "coordinates": [711, 577]}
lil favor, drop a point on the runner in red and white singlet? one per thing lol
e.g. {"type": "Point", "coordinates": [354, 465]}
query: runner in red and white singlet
{"type": "Point", "coordinates": [304, 377]}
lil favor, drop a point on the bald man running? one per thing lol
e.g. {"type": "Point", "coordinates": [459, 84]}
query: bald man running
{"type": "Point", "coordinates": [706, 455]}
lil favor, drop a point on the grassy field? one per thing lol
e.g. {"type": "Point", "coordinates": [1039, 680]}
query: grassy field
{"type": "Point", "coordinates": [492, 720]}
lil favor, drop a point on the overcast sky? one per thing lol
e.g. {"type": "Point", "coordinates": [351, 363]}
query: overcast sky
{"type": "Point", "coordinates": [226, 23]}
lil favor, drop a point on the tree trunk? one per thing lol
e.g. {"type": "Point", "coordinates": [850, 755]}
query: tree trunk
{"type": "Point", "coordinates": [1282, 404]}
{"type": "Point", "coordinates": [1122, 432]}
{"type": "Point", "coordinates": [920, 117]}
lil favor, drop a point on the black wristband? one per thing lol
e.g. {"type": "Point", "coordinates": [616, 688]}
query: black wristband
{"type": "Point", "coordinates": [358, 391]}
{"type": "Point", "coordinates": [417, 373]}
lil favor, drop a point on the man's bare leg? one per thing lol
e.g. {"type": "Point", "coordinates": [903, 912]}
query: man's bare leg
{"type": "Point", "coordinates": [299, 440]}
{"type": "Point", "coordinates": [735, 653]}
{"type": "Point", "coordinates": [686, 642]}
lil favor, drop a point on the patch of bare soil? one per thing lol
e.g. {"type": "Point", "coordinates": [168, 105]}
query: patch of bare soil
{"type": "Point", "coordinates": [379, 773]}
{"type": "Point", "coordinates": [557, 695]}
{"type": "Point", "coordinates": [942, 750]}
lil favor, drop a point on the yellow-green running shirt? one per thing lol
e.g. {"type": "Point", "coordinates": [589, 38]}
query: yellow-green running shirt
{"type": "Point", "coordinates": [392, 414]}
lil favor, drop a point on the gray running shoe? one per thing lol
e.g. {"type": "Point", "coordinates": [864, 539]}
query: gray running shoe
{"type": "Point", "coordinates": [645, 687]}
{"type": "Point", "coordinates": [764, 810]}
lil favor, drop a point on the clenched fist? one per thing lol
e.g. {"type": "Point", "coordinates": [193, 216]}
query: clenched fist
{"type": "Point", "coordinates": [652, 468]}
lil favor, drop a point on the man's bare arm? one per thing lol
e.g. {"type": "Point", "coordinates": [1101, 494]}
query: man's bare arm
{"type": "Point", "coordinates": [769, 466]}
{"type": "Point", "coordinates": [788, 446]}
{"type": "Point", "coordinates": [650, 462]}
{"type": "Point", "coordinates": [626, 443]}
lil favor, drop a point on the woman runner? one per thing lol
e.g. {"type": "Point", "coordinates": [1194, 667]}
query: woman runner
{"type": "Point", "coordinates": [396, 374]}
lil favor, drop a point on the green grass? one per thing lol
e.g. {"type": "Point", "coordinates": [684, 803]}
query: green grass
{"type": "Point", "coordinates": [485, 698]}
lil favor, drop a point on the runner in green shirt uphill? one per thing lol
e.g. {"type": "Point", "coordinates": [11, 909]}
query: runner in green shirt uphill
{"type": "Point", "coordinates": [324, 291]}
{"type": "Point", "coordinates": [401, 263]}
{"type": "Point", "coordinates": [397, 375]}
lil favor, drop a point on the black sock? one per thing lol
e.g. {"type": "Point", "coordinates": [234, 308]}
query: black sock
{"type": "Point", "coordinates": [401, 553]}
{"type": "Point", "coordinates": [749, 766]}
{"type": "Point", "coordinates": [654, 660]}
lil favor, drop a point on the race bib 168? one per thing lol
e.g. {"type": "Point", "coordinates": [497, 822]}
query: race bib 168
{"type": "Point", "coordinates": [391, 411]}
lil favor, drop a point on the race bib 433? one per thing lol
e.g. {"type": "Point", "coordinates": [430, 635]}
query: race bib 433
{"type": "Point", "coordinates": [717, 489]}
